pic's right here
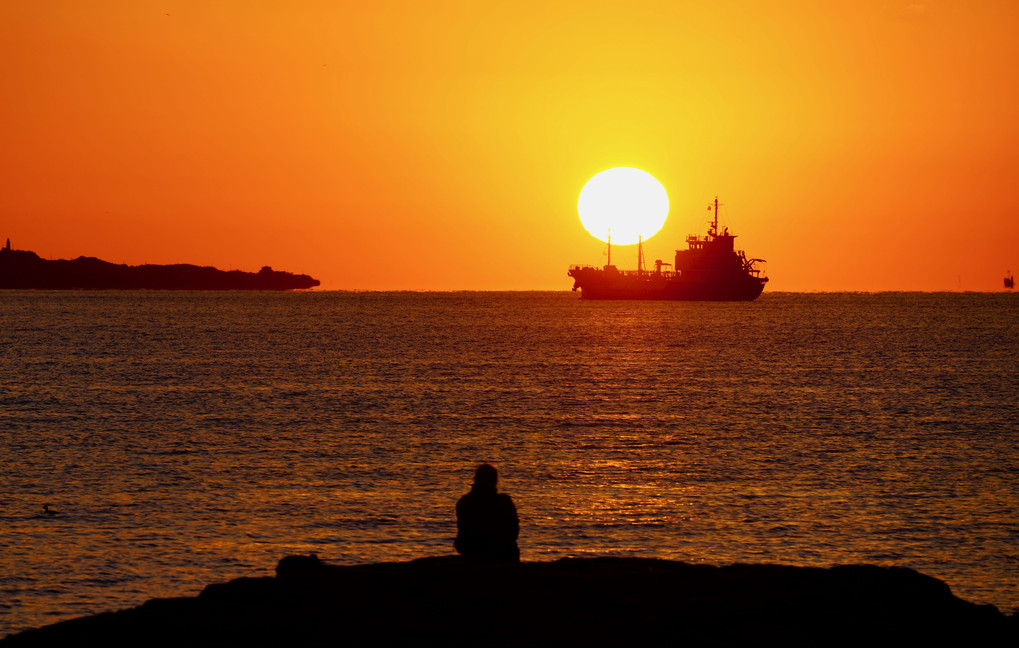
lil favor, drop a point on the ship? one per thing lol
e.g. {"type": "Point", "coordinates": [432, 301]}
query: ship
{"type": "Point", "coordinates": [1009, 280]}
{"type": "Point", "coordinates": [710, 269]}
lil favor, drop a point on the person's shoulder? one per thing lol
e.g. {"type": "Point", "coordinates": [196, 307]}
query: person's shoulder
{"type": "Point", "coordinates": [504, 498]}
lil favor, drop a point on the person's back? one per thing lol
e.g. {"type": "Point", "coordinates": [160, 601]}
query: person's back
{"type": "Point", "coordinates": [486, 520]}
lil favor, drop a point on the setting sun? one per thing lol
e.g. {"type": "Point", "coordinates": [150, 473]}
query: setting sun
{"type": "Point", "coordinates": [624, 203]}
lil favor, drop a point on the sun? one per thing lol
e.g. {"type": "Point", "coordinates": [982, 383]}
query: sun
{"type": "Point", "coordinates": [624, 203]}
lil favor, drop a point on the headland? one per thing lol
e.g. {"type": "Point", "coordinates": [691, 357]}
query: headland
{"type": "Point", "coordinates": [574, 601]}
{"type": "Point", "coordinates": [23, 269]}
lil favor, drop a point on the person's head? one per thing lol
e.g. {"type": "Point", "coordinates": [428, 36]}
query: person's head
{"type": "Point", "coordinates": [486, 476]}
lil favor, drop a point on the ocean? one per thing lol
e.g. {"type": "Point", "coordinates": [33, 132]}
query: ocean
{"type": "Point", "coordinates": [191, 438]}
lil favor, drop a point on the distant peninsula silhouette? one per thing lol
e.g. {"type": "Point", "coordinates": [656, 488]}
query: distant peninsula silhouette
{"type": "Point", "coordinates": [22, 269]}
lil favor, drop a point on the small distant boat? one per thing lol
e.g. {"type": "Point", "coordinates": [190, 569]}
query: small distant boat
{"type": "Point", "coordinates": [1010, 281]}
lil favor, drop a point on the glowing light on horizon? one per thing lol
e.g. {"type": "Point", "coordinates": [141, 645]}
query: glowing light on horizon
{"type": "Point", "coordinates": [625, 202]}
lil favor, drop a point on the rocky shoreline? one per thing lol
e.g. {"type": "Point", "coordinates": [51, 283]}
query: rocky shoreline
{"type": "Point", "coordinates": [460, 601]}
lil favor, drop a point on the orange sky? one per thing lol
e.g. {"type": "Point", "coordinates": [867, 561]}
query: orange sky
{"type": "Point", "coordinates": [856, 145]}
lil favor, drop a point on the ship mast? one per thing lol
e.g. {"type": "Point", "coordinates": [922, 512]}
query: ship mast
{"type": "Point", "coordinates": [610, 246]}
{"type": "Point", "coordinates": [640, 254]}
{"type": "Point", "coordinates": [714, 226]}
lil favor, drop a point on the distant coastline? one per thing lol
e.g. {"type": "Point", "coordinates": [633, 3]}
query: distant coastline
{"type": "Point", "coordinates": [26, 270]}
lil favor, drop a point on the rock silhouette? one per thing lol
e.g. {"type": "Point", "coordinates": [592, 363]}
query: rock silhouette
{"type": "Point", "coordinates": [458, 600]}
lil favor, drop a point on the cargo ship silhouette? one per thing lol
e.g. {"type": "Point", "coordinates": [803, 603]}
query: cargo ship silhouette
{"type": "Point", "coordinates": [710, 269]}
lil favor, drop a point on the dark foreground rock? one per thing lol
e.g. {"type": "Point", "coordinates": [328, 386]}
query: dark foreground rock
{"type": "Point", "coordinates": [573, 601]}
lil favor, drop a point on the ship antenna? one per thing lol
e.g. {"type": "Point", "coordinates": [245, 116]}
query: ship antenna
{"type": "Point", "coordinates": [610, 246]}
{"type": "Point", "coordinates": [640, 254]}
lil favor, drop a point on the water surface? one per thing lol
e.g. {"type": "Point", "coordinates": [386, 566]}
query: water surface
{"type": "Point", "coordinates": [189, 438]}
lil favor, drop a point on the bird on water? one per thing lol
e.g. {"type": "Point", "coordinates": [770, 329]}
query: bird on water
{"type": "Point", "coordinates": [46, 509]}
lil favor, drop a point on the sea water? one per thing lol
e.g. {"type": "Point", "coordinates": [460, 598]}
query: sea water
{"type": "Point", "coordinates": [190, 438]}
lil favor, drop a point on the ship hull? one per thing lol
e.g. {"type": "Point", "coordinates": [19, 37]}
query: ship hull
{"type": "Point", "coordinates": [594, 283]}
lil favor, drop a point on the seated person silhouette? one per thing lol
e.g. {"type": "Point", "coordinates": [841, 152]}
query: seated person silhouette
{"type": "Point", "coordinates": [486, 520]}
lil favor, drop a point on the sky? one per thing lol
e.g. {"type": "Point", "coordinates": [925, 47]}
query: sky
{"type": "Point", "coordinates": [860, 145]}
